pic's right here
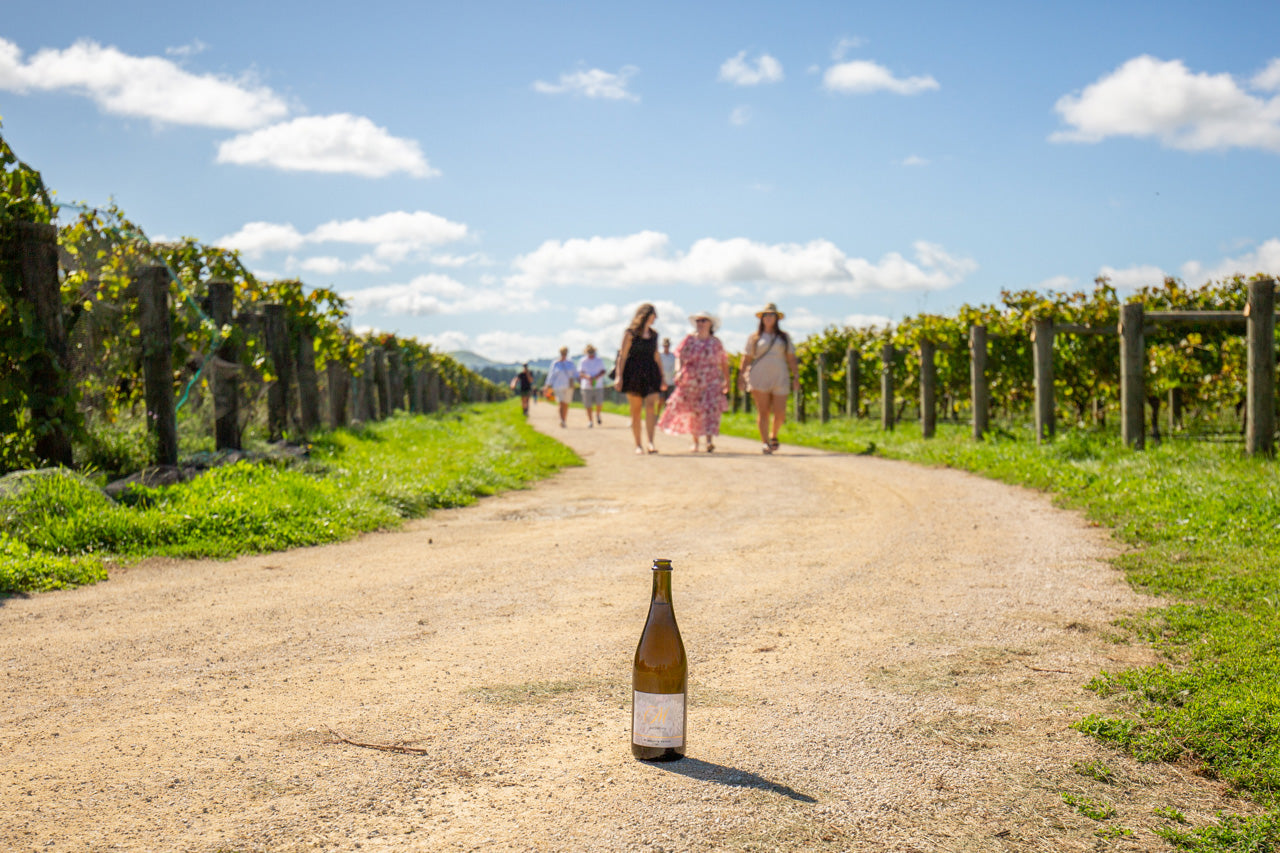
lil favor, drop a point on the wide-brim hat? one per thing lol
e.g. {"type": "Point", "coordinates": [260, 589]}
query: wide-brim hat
{"type": "Point", "coordinates": [771, 308]}
{"type": "Point", "coordinates": [715, 322]}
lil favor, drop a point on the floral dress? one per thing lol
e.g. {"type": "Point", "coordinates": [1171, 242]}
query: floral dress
{"type": "Point", "coordinates": [698, 401]}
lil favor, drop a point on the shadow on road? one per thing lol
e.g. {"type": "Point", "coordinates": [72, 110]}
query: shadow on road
{"type": "Point", "coordinates": [705, 771]}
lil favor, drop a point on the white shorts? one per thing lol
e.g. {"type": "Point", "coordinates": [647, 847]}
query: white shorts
{"type": "Point", "coordinates": [564, 396]}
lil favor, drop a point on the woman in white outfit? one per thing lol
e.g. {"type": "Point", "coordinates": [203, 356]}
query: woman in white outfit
{"type": "Point", "coordinates": [770, 372]}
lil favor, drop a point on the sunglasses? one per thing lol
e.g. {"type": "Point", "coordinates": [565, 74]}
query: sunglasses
{"type": "Point", "coordinates": [702, 320]}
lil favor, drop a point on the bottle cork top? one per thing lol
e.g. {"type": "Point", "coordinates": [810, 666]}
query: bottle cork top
{"type": "Point", "coordinates": [661, 564]}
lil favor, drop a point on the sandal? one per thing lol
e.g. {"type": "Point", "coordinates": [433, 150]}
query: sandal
{"type": "Point", "coordinates": [711, 446]}
{"type": "Point", "coordinates": [766, 449]}
{"type": "Point", "coordinates": [773, 443]}
{"type": "Point", "coordinates": [653, 449]}
{"type": "Point", "coordinates": [639, 450]}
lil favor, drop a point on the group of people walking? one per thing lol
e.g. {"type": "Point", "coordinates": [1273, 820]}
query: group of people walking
{"type": "Point", "coordinates": [695, 380]}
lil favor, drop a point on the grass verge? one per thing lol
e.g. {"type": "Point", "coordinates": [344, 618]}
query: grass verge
{"type": "Point", "coordinates": [58, 529]}
{"type": "Point", "coordinates": [1205, 520]}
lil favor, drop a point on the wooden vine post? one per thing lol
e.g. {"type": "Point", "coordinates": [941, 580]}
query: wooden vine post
{"type": "Point", "coordinates": [1132, 357]}
{"type": "Point", "coordinates": [852, 360]}
{"type": "Point", "coordinates": [339, 376]}
{"type": "Point", "coordinates": [887, 355]}
{"type": "Point", "coordinates": [1042, 352]}
{"type": "Point", "coordinates": [226, 369]}
{"type": "Point", "coordinates": [1261, 392]}
{"type": "Point", "coordinates": [275, 335]}
{"type": "Point", "coordinates": [395, 380]}
{"type": "Point", "coordinates": [29, 261]}
{"type": "Point", "coordinates": [928, 389]}
{"type": "Point", "coordinates": [157, 360]}
{"type": "Point", "coordinates": [980, 391]}
{"type": "Point", "coordinates": [308, 383]}
{"type": "Point", "coordinates": [824, 402]}
{"type": "Point", "coordinates": [381, 385]}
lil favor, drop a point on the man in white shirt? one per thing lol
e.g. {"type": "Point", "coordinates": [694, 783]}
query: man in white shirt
{"type": "Point", "coordinates": [591, 372]}
{"type": "Point", "coordinates": [668, 372]}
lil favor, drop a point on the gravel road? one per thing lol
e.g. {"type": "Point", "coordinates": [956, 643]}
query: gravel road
{"type": "Point", "coordinates": [882, 657]}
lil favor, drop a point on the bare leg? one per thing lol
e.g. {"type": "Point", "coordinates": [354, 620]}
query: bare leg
{"type": "Point", "coordinates": [636, 402]}
{"type": "Point", "coordinates": [651, 416]}
{"type": "Point", "coordinates": [764, 406]}
{"type": "Point", "coordinates": [779, 414]}
{"type": "Point", "coordinates": [564, 413]}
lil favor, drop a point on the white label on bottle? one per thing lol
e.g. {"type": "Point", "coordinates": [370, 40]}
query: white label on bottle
{"type": "Point", "coordinates": [657, 719]}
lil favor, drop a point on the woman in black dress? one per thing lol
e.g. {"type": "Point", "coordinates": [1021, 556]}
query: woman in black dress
{"type": "Point", "coordinates": [639, 372]}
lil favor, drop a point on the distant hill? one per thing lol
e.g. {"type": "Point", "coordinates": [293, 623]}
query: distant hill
{"type": "Point", "coordinates": [496, 371]}
{"type": "Point", "coordinates": [473, 361]}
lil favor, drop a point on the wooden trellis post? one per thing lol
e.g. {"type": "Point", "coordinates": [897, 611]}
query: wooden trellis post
{"type": "Point", "coordinates": [308, 383]}
{"type": "Point", "coordinates": [1261, 392]}
{"type": "Point", "coordinates": [157, 360]}
{"type": "Point", "coordinates": [339, 390]}
{"type": "Point", "coordinates": [1042, 338]}
{"type": "Point", "coordinates": [853, 361]}
{"type": "Point", "coordinates": [928, 389]}
{"type": "Point", "coordinates": [226, 370]}
{"type": "Point", "coordinates": [824, 403]}
{"type": "Point", "coordinates": [381, 384]}
{"type": "Point", "coordinates": [1132, 356]}
{"type": "Point", "coordinates": [980, 391]}
{"type": "Point", "coordinates": [887, 355]}
{"type": "Point", "coordinates": [276, 338]}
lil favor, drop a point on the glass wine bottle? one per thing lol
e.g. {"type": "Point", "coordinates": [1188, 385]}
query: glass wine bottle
{"type": "Point", "coordinates": [659, 679]}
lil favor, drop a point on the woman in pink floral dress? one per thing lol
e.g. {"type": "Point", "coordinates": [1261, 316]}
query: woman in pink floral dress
{"type": "Point", "coordinates": [702, 380]}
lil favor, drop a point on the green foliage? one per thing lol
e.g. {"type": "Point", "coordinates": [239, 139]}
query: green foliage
{"type": "Point", "coordinates": [60, 524]}
{"type": "Point", "coordinates": [1095, 770]}
{"type": "Point", "coordinates": [1232, 834]}
{"type": "Point", "coordinates": [1092, 809]}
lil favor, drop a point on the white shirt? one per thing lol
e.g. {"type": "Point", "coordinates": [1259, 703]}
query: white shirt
{"type": "Point", "coordinates": [589, 367]}
{"type": "Point", "coordinates": [562, 375]}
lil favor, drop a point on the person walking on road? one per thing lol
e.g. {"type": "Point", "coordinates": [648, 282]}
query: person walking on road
{"type": "Point", "coordinates": [524, 382]}
{"type": "Point", "coordinates": [639, 373]}
{"type": "Point", "coordinates": [770, 371]}
{"type": "Point", "coordinates": [668, 373]}
{"type": "Point", "coordinates": [702, 380]}
{"type": "Point", "coordinates": [591, 374]}
{"type": "Point", "coordinates": [560, 379]}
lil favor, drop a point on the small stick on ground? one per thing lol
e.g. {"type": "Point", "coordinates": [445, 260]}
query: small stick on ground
{"type": "Point", "coordinates": [385, 747]}
{"type": "Point", "coordinates": [1038, 669]}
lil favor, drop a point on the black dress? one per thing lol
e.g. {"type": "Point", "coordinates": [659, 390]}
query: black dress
{"type": "Point", "coordinates": [641, 374]}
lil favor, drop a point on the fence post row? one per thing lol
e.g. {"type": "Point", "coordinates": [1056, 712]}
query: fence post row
{"type": "Point", "coordinates": [887, 355]}
{"type": "Point", "coordinates": [980, 391]}
{"type": "Point", "coordinates": [395, 380]}
{"type": "Point", "coordinates": [853, 360]}
{"type": "Point", "coordinates": [928, 389]}
{"type": "Point", "coordinates": [1261, 392]}
{"type": "Point", "coordinates": [339, 389]}
{"type": "Point", "coordinates": [157, 360]}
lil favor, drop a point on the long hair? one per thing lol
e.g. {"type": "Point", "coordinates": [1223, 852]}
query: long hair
{"type": "Point", "coordinates": [777, 330]}
{"type": "Point", "coordinates": [643, 313]}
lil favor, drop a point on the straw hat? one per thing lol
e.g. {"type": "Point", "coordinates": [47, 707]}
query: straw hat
{"type": "Point", "coordinates": [694, 318]}
{"type": "Point", "coordinates": [771, 308]}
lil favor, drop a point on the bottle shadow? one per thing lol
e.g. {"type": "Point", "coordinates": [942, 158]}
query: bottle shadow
{"type": "Point", "coordinates": [705, 771]}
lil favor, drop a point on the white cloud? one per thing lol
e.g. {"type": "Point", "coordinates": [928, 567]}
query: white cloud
{"type": "Point", "coordinates": [455, 261]}
{"type": "Point", "coordinates": [1133, 278]}
{"type": "Point", "coordinates": [194, 47]}
{"type": "Point", "coordinates": [255, 238]}
{"type": "Point", "coordinates": [1265, 259]}
{"type": "Point", "coordinates": [860, 77]}
{"type": "Point", "coordinates": [330, 265]}
{"type": "Point", "coordinates": [143, 86]}
{"type": "Point", "coordinates": [738, 71]}
{"type": "Point", "coordinates": [913, 160]}
{"type": "Point", "coordinates": [592, 83]}
{"type": "Point", "coordinates": [341, 143]}
{"type": "Point", "coordinates": [323, 265]}
{"type": "Point", "coordinates": [740, 116]}
{"type": "Point", "coordinates": [438, 294]}
{"type": "Point", "coordinates": [395, 236]}
{"type": "Point", "coordinates": [846, 44]}
{"type": "Point", "coordinates": [814, 267]}
{"type": "Point", "coordinates": [1150, 98]}
{"type": "Point", "coordinates": [599, 315]}
{"type": "Point", "coordinates": [1268, 79]}
{"type": "Point", "coordinates": [1057, 282]}
{"type": "Point", "coordinates": [867, 321]}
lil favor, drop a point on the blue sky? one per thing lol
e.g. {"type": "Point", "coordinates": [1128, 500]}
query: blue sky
{"type": "Point", "coordinates": [508, 177]}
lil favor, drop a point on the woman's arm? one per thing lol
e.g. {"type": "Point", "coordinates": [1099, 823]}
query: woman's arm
{"type": "Point", "coordinates": [623, 351]}
{"type": "Point", "coordinates": [657, 359]}
{"type": "Point", "coordinates": [747, 358]}
{"type": "Point", "coordinates": [793, 365]}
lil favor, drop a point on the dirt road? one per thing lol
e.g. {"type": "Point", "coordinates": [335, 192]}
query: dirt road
{"type": "Point", "coordinates": [882, 657]}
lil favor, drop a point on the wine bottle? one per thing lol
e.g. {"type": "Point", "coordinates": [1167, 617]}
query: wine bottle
{"type": "Point", "coordinates": [659, 679]}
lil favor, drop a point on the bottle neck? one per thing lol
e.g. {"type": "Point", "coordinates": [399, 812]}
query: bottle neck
{"type": "Point", "coordinates": [662, 587]}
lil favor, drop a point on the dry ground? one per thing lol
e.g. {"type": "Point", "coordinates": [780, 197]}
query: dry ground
{"type": "Point", "coordinates": [882, 657]}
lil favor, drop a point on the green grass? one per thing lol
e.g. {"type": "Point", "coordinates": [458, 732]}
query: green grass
{"type": "Point", "coordinates": [1206, 522]}
{"type": "Point", "coordinates": [60, 530]}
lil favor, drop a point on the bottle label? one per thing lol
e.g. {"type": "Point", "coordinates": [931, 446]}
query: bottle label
{"type": "Point", "coordinates": [657, 719]}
